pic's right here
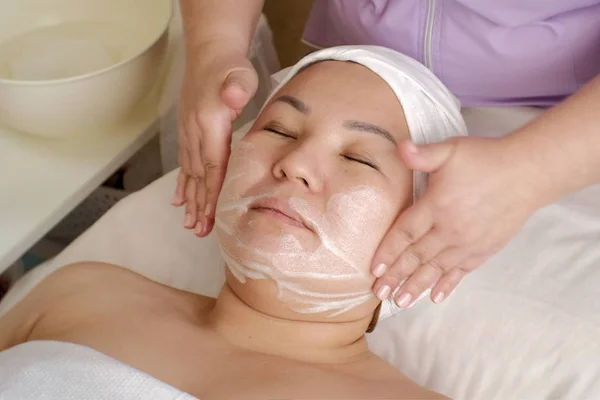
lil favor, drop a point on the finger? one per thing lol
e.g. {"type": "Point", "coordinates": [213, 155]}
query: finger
{"type": "Point", "coordinates": [185, 159]}
{"type": "Point", "coordinates": [447, 284]}
{"type": "Point", "coordinates": [426, 276]}
{"type": "Point", "coordinates": [410, 259]}
{"type": "Point", "coordinates": [414, 256]}
{"type": "Point", "coordinates": [195, 153]}
{"type": "Point", "coordinates": [200, 225]}
{"type": "Point", "coordinates": [426, 158]}
{"type": "Point", "coordinates": [185, 156]}
{"type": "Point", "coordinates": [210, 223]}
{"type": "Point", "coordinates": [215, 175]}
{"type": "Point", "coordinates": [235, 114]}
{"type": "Point", "coordinates": [239, 87]}
{"type": "Point", "coordinates": [199, 175]}
{"type": "Point", "coordinates": [411, 290]}
{"type": "Point", "coordinates": [410, 226]}
{"type": "Point", "coordinates": [474, 262]}
{"type": "Point", "coordinates": [179, 198]}
{"type": "Point", "coordinates": [204, 226]}
{"type": "Point", "coordinates": [216, 149]}
{"type": "Point", "coordinates": [191, 210]}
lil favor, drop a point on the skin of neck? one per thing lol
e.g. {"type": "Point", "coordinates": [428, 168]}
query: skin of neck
{"type": "Point", "coordinates": [307, 341]}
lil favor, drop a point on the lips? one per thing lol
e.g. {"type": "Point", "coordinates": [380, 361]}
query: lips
{"type": "Point", "coordinates": [279, 206]}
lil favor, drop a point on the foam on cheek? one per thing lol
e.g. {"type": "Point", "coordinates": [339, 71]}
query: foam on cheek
{"type": "Point", "coordinates": [332, 276]}
{"type": "Point", "coordinates": [352, 225]}
{"type": "Point", "coordinates": [242, 167]}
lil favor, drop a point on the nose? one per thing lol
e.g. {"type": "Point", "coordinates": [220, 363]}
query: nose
{"type": "Point", "coordinates": [300, 166]}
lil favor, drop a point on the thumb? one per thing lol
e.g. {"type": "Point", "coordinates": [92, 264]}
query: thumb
{"type": "Point", "coordinates": [239, 87]}
{"type": "Point", "coordinates": [426, 158]}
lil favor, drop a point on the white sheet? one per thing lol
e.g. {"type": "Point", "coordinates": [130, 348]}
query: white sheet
{"type": "Point", "coordinates": [524, 326]}
{"type": "Point", "coordinates": [49, 370]}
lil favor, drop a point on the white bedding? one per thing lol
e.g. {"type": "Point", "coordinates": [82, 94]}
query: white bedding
{"type": "Point", "coordinates": [524, 326]}
{"type": "Point", "coordinates": [49, 370]}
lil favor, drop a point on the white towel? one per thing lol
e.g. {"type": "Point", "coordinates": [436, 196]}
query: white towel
{"type": "Point", "coordinates": [51, 370]}
{"type": "Point", "coordinates": [432, 112]}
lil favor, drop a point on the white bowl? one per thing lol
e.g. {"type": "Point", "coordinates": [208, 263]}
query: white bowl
{"type": "Point", "coordinates": [71, 67]}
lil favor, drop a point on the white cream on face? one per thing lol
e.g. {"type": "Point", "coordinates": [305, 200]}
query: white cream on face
{"type": "Point", "coordinates": [322, 271]}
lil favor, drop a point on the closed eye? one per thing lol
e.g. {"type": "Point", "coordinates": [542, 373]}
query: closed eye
{"type": "Point", "coordinates": [279, 130]}
{"type": "Point", "coordinates": [362, 161]}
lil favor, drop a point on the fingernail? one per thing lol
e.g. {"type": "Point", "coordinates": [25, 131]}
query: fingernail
{"type": "Point", "coordinates": [199, 228]}
{"type": "Point", "coordinates": [379, 270]}
{"type": "Point", "coordinates": [207, 210]}
{"type": "Point", "coordinates": [438, 298]}
{"type": "Point", "coordinates": [188, 220]}
{"type": "Point", "coordinates": [383, 292]}
{"type": "Point", "coordinates": [175, 200]}
{"type": "Point", "coordinates": [404, 300]}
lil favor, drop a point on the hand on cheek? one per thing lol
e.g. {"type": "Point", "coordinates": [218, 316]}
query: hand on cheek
{"type": "Point", "coordinates": [479, 194]}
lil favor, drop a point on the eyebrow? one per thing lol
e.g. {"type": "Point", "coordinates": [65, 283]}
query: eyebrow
{"type": "Point", "coordinates": [298, 104]}
{"type": "Point", "coordinates": [302, 107]}
{"type": "Point", "coordinates": [370, 128]}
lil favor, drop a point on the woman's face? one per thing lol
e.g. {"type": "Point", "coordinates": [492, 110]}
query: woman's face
{"type": "Point", "coordinates": [311, 190]}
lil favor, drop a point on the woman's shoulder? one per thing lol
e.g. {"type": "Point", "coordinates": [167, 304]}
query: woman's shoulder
{"type": "Point", "coordinates": [133, 288]}
{"type": "Point", "coordinates": [84, 291]}
{"type": "Point", "coordinates": [110, 278]}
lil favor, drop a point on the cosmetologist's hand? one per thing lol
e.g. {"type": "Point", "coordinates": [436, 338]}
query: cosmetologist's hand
{"type": "Point", "coordinates": [218, 83]}
{"type": "Point", "coordinates": [480, 192]}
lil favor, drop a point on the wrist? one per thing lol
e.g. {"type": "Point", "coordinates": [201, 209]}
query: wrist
{"type": "Point", "coordinates": [215, 44]}
{"type": "Point", "coordinates": [534, 158]}
{"type": "Point", "coordinates": [219, 51]}
{"type": "Point", "coordinates": [229, 22]}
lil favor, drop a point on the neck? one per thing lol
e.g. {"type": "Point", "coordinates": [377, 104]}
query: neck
{"type": "Point", "coordinates": [307, 341]}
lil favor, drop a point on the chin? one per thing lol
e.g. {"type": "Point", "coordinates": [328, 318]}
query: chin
{"type": "Point", "coordinates": [284, 270]}
{"type": "Point", "coordinates": [263, 296]}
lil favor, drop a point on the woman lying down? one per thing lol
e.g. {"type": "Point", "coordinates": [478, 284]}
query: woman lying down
{"type": "Point", "coordinates": [309, 193]}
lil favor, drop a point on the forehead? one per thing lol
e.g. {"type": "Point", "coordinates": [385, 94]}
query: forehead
{"type": "Point", "coordinates": [346, 90]}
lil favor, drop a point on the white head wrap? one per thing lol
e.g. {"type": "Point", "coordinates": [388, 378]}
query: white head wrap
{"type": "Point", "coordinates": [432, 112]}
